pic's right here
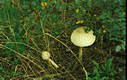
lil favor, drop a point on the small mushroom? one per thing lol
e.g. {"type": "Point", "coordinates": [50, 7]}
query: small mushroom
{"type": "Point", "coordinates": [82, 39]}
{"type": "Point", "coordinates": [46, 56]}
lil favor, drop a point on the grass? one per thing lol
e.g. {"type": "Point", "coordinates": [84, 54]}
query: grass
{"type": "Point", "coordinates": [29, 27]}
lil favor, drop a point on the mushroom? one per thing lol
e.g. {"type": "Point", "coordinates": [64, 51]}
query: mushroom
{"type": "Point", "coordinates": [46, 56]}
{"type": "Point", "coordinates": [82, 39]}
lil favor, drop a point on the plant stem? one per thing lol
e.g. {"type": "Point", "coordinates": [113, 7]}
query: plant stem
{"type": "Point", "coordinates": [85, 73]}
{"type": "Point", "coordinates": [53, 63]}
{"type": "Point", "coordinates": [80, 54]}
{"type": "Point", "coordinates": [80, 58]}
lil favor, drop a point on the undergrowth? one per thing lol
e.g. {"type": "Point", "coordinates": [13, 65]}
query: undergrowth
{"type": "Point", "coordinates": [28, 27]}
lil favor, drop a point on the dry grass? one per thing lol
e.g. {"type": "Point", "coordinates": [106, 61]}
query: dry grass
{"type": "Point", "coordinates": [63, 52]}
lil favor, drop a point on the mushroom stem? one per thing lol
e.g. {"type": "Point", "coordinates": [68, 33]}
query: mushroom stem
{"type": "Point", "coordinates": [53, 63]}
{"type": "Point", "coordinates": [80, 54]}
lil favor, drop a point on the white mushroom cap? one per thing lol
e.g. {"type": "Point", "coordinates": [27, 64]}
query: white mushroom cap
{"type": "Point", "coordinates": [45, 55]}
{"type": "Point", "coordinates": [81, 38]}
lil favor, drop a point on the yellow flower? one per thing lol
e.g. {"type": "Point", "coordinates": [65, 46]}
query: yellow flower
{"type": "Point", "coordinates": [84, 10]}
{"type": "Point", "coordinates": [43, 4]}
{"type": "Point", "coordinates": [103, 26]}
{"type": "Point", "coordinates": [94, 15]}
{"type": "Point", "coordinates": [81, 21]}
{"type": "Point", "coordinates": [104, 31]}
{"type": "Point", "coordinates": [77, 10]}
{"type": "Point", "coordinates": [97, 18]}
{"type": "Point", "coordinates": [78, 22]}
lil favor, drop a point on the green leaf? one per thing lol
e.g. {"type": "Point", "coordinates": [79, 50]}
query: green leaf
{"type": "Point", "coordinates": [33, 3]}
{"type": "Point", "coordinates": [96, 72]}
{"type": "Point", "coordinates": [25, 6]}
{"type": "Point", "coordinates": [2, 79]}
{"type": "Point", "coordinates": [108, 65]}
{"type": "Point", "coordinates": [103, 68]}
{"type": "Point", "coordinates": [12, 46]}
{"type": "Point", "coordinates": [97, 65]}
{"type": "Point", "coordinates": [77, 1]}
{"type": "Point", "coordinates": [58, 4]}
{"type": "Point", "coordinates": [123, 77]}
{"type": "Point", "coordinates": [120, 70]}
{"type": "Point", "coordinates": [63, 6]}
{"type": "Point", "coordinates": [104, 78]}
{"type": "Point", "coordinates": [16, 61]}
{"type": "Point", "coordinates": [1, 68]}
{"type": "Point", "coordinates": [118, 48]}
{"type": "Point", "coordinates": [89, 3]}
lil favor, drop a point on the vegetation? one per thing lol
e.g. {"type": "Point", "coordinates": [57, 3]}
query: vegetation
{"type": "Point", "coordinates": [28, 27]}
